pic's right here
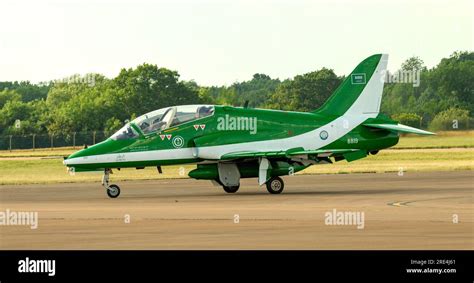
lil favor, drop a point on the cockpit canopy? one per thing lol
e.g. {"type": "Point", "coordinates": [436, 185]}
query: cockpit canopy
{"type": "Point", "coordinates": [163, 119]}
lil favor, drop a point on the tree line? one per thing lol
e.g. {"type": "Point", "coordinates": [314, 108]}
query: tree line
{"type": "Point", "coordinates": [443, 100]}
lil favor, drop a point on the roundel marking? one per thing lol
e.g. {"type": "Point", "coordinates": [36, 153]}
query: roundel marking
{"type": "Point", "coordinates": [323, 135]}
{"type": "Point", "coordinates": [178, 141]}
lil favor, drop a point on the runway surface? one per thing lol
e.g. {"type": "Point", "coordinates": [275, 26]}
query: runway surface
{"type": "Point", "coordinates": [413, 211]}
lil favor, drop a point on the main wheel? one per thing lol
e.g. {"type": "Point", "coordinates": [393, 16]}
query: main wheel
{"type": "Point", "coordinates": [275, 185]}
{"type": "Point", "coordinates": [231, 189]}
{"type": "Point", "coordinates": [113, 191]}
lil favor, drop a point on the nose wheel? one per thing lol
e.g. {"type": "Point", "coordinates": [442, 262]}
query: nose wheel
{"type": "Point", "coordinates": [113, 190]}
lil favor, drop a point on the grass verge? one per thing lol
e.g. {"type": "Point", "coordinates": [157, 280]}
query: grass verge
{"type": "Point", "coordinates": [51, 170]}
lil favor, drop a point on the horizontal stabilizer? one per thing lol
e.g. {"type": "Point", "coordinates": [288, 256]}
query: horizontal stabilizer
{"type": "Point", "coordinates": [399, 128]}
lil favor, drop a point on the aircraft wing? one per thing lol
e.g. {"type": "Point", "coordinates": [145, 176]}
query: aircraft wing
{"type": "Point", "coordinates": [287, 153]}
{"type": "Point", "coordinates": [399, 128]}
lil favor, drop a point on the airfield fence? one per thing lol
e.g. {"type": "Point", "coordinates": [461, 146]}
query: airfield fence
{"type": "Point", "coordinates": [36, 141]}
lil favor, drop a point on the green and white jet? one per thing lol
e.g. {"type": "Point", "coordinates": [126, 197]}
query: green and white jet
{"type": "Point", "coordinates": [230, 143]}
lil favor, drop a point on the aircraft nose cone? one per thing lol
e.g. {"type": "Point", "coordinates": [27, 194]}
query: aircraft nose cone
{"type": "Point", "coordinates": [66, 160]}
{"type": "Point", "coordinates": [70, 160]}
{"type": "Point", "coordinates": [88, 153]}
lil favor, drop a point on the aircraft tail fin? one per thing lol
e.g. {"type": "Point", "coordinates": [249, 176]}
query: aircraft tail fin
{"type": "Point", "coordinates": [361, 92]}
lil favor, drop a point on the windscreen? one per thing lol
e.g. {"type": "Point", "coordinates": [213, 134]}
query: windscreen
{"type": "Point", "coordinates": [126, 132]}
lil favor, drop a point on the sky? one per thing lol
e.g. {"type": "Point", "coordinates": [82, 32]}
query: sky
{"type": "Point", "coordinates": [223, 41]}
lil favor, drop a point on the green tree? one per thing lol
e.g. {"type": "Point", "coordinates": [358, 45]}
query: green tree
{"type": "Point", "coordinates": [305, 92]}
{"type": "Point", "coordinates": [453, 80]}
{"type": "Point", "coordinates": [17, 117]}
{"type": "Point", "coordinates": [445, 86]}
{"type": "Point", "coordinates": [148, 87]}
{"type": "Point", "coordinates": [112, 125]}
{"type": "Point", "coordinates": [451, 119]}
{"type": "Point", "coordinates": [8, 95]}
{"type": "Point", "coordinates": [409, 119]}
{"type": "Point", "coordinates": [27, 90]}
{"type": "Point", "coordinates": [256, 91]}
{"type": "Point", "coordinates": [413, 63]}
{"type": "Point", "coordinates": [75, 104]}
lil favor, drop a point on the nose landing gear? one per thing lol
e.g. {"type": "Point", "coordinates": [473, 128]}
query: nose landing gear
{"type": "Point", "coordinates": [113, 190]}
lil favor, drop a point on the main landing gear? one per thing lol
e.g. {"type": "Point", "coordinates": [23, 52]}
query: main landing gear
{"type": "Point", "coordinates": [113, 190]}
{"type": "Point", "coordinates": [275, 185]}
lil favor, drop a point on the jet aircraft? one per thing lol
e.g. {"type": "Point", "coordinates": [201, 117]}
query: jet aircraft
{"type": "Point", "coordinates": [229, 143]}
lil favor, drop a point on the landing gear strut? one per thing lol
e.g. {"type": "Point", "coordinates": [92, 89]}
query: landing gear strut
{"type": "Point", "coordinates": [275, 185]}
{"type": "Point", "coordinates": [113, 190]}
